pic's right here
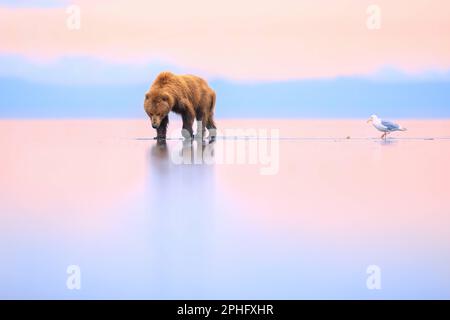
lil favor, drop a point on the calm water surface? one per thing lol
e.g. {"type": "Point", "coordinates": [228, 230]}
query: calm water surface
{"type": "Point", "coordinates": [333, 200]}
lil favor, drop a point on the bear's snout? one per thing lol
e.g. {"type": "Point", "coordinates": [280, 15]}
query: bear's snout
{"type": "Point", "coordinates": [156, 122]}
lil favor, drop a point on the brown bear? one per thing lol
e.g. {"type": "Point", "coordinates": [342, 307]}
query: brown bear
{"type": "Point", "coordinates": [187, 95]}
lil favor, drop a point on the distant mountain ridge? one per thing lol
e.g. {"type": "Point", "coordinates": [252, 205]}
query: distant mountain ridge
{"type": "Point", "coordinates": [321, 98]}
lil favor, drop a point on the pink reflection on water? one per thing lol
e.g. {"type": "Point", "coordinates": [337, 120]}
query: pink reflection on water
{"type": "Point", "coordinates": [105, 195]}
{"type": "Point", "coordinates": [89, 166]}
{"type": "Point", "coordinates": [355, 187]}
{"type": "Point", "coordinates": [53, 168]}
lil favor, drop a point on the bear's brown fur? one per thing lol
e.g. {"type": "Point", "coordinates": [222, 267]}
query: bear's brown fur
{"type": "Point", "coordinates": [187, 95]}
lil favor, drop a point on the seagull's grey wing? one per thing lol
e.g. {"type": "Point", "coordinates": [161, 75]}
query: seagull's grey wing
{"type": "Point", "coordinates": [390, 125]}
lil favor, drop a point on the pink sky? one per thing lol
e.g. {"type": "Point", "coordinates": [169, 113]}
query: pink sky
{"type": "Point", "coordinates": [244, 40]}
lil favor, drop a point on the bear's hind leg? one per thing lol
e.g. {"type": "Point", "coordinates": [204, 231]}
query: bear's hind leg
{"type": "Point", "coordinates": [201, 125]}
{"type": "Point", "coordinates": [201, 129]}
{"type": "Point", "coordinates": [211, 126]}
{"type": "Point", "coordinates": [204, 127]}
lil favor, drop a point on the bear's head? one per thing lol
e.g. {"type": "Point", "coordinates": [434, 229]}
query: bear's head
{"type": "Point", "coordinates": [157, 105]}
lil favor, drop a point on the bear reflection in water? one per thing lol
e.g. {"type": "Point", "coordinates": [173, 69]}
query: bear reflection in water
{"type": "Point", "coordinates": [181, 152]}
{"type": "Point", "coordinates": [182, 204]}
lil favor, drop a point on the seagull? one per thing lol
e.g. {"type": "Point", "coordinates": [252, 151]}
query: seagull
{"type": "Point", "coordinates": [384, 126]}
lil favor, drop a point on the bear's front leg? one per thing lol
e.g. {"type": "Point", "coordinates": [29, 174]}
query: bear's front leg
{"type": "Point", "coordinates": [161, 132]}
{"type": "Point", "coordinates": [188, 121]}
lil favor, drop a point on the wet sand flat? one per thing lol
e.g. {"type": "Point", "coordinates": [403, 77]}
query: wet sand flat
{"type": "Point", "coordinates": [273, 209]}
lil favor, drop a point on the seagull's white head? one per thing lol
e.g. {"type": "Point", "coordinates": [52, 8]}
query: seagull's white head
{"type": "Point", "coordinates": [372, 118]}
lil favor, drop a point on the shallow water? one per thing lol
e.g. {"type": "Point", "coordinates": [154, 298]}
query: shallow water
{"type": "Point", "coordinates": [301, 212]}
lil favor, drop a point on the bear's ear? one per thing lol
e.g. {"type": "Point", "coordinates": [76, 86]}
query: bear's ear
{"type": "Point", "coordinates": [164, 77]}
